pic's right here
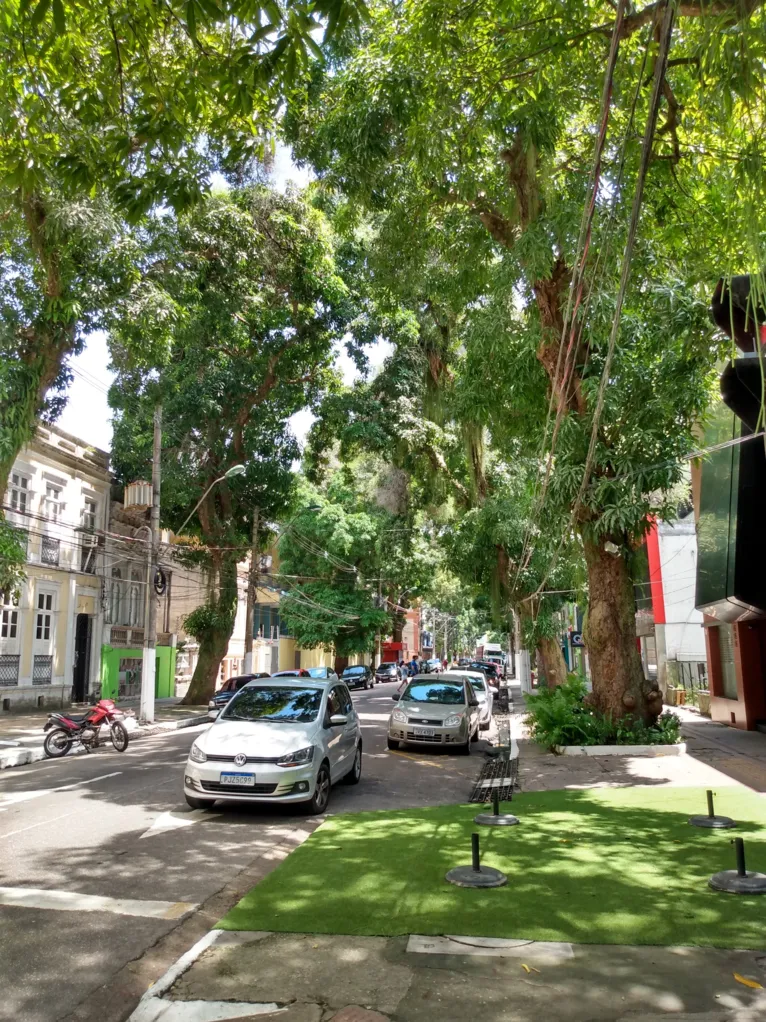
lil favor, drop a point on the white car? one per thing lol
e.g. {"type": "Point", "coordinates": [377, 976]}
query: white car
{"type": "Point", "coordinates": [484, 692]}
{"type": "Point", "coordinates": [277, 740]}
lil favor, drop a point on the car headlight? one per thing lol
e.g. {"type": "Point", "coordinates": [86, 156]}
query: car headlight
{"type": "Point", "coordinates": [211, 704]}
{"type": "Point", "coordinates": [299, 758]}
{"type": "Point", "coordinates": [196, 755]}
{"type": "Point", "coordinates": [454, 720]}
{"type": "Point", "coordinates": [399, 716]}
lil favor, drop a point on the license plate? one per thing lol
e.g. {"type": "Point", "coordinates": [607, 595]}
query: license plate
{"type": "Point", "coordinates": [424, 732]}
{"type": "Point", "coordinates": [238, 780]}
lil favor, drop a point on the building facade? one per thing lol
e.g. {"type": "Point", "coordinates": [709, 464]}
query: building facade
{"type": "Point", "coordinates": [51, 631]}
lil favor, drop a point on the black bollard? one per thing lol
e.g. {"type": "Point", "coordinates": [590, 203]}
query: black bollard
{"type": "Point", "coordinates": [475, 859]}
{"type": "Point", "coordinates": [495, 802]}
{"type": "Point", "coordinates": [739, 881]}
{"type": "Point", "coordinates": [711, 820]}
{"type": "Point", "coordinates": [739, 851]}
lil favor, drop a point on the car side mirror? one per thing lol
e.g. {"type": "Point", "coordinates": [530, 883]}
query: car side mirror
{"type": "Point", "coordinates": [338, 720]}
{"type": "Point", "coordinates": [214, 714]}
{"type": "Point", "coordinates": [396, 697]}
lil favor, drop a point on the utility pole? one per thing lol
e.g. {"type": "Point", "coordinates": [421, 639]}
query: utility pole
{"type": "Point", "coordinates": [252, 583]}
{"type": "Point", "coordinates": [149, 658]}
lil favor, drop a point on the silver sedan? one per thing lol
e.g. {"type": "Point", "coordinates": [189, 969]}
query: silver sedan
{"type": "Point", "coordinates": [435, 709]}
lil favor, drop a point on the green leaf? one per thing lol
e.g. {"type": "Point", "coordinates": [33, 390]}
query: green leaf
{"type": "Point", "coordinates": [59, 18]}
{"type": "Point", "coordinates": [191, 18]}
{"type": "Point", "coordinates": [39, 13]}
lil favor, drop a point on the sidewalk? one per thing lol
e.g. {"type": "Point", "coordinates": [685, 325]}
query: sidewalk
{"type": "Point", "coordinates": [336, 977]}
{"type": "Point", "coordinates": [22, 735]}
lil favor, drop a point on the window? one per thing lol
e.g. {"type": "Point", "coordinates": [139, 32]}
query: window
{"type": "Point", "coordinates": [43, 623]}
{"type": "Point", "coordinates": [334, 702]}
{"type": "Point", "coordinates": [89, 513]}
{"type": "Point", "coordinates": [9, 616]}
{"type": "Point", "coordinates": [348, 706]}
{"type": "Point", "coordinates": [88, 552]}
{"type": "Point", "coordinates": [49, 551]}
{"type": "Point", "coordinates": [135, 602]}
{"type": "Point", "coordinates": [19, 492]}
{"type": "Point", "coordinates": [52, 505]}
{"type": "Point", "coordinates": [114, 597]}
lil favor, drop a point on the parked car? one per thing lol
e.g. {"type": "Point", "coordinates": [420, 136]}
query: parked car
{"type": "Point", "coordinates": [488, 670]}
{"type": "Point", "coordinates": [498, 661]}
{"type": "Point", "coordinates": [285, 740]}
{"type": "Point", "coordinates": [323, 672]}
{"type": "Point", "coordinates": [227, 691]}
{"type": "Point", "coordinates": [432, 666]}
{"type": "Point", "coordinates": [360, 676]}
{"type": "Point", "coordinates": [387, 672]}
{"type": "Point", "coordinates": [295, 672]}
{"type": "Point", "coordinates": [435, 710]}
{"type": "Point", "coordinates": [484, 690]}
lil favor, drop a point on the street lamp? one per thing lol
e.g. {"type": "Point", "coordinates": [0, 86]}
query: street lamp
{"type": "Point", "coordinates": [235, 470]}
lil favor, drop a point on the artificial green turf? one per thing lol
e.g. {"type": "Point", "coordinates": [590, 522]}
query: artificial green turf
{"type": "Point", "coordinates": [601, 866]}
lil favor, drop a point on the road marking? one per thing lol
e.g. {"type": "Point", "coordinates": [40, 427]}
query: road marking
{"type": "Point", "coordinates": [417, 759]}
{"type": "Point", "coordinates": [70, 901]}
{"type": "Point", "coordinates": [12, 798]}
{"type": "Point", "coordinates": [42, 823]}
{"type": "Point", "coordinates": [174, 820]}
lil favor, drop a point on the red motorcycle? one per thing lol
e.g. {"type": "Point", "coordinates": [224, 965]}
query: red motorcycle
{"type": "Point", "coordinates": [66, 730]}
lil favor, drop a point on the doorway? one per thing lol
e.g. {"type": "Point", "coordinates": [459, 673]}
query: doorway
{"type": "Point", "coordinates": [81, 673]}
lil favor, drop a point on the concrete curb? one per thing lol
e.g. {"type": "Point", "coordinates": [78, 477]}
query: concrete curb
{"type": "Point", "coordinates": [622, 750]}
{"type": "Point", "coordinates": [23, 756]}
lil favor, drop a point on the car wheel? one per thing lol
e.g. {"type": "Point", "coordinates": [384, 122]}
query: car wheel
{"type": "Point", "coordinates": [366, 686]}
{"type": "Point", "coordinates": [392, 743]}
{"type": "Point", "coordinates": [465, 750]}
{"type": "Point", "coordinates": [198, 803]}
{"type": "Point", "coordinates": [475, 736]}
{"type": "Point", "coordinates": [318, 801]}
{"type": "Point", "coordinates": [354, 775]}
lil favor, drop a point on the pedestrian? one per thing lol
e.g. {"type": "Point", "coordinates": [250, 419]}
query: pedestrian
{"type": "Point", "coordinates": [414, 666]}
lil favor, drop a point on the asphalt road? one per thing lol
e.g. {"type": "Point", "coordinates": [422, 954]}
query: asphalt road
{"type": "Point", "coordinates": [87, 839]}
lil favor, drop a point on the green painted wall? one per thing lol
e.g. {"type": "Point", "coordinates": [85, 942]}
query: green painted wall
{"type": "Point", "coordinates": [110, 667]}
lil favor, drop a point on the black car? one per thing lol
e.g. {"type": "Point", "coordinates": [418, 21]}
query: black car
{"type": "Point", "coordinates": [360, 676]}
{"type": "Point", "coordinates": [387, 672]}
{"type": "Point", "coordinates": [491, 671]}
{"type": "Point", "coordinates": [229, 688]}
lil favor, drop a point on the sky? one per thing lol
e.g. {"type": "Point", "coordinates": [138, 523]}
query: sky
{"type": "Point", "coordinates": [87, 414]}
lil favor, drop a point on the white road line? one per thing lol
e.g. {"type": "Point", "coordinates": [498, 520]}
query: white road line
{"type": "Point", "coordinates": [14, 797]}
{"type": "Point", "coordinates": [42, 823]}
{"type": "Point", "coordinates": [174, 820]}
{"type": "Point", "coordinates": [71, 901]}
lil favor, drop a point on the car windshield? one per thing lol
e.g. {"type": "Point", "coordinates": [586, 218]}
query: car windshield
{"type": "Point", "coordinates": [275, 703]}
{"type": "Point", "coordinates": [435, 692]}
{"type": "Point", "coordinates": [477, 685]}
{"type": "Point", "coordinates": [353, 670]}
{"type": "Point", "coordinates": [318, 672]}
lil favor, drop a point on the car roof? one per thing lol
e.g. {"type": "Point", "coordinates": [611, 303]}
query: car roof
{"type": "Point", "coordinates": [464, 674]}
{"type": "Point", "coordinates": [355, 667]}
{"type": "Point", "coordinates": [289, 681]}
{"type": "Point", "coordinates": [436, 676]}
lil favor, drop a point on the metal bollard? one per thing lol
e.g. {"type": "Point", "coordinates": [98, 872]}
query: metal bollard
{"type": "Point", "coordinates": [739, 851]}
{"type": "Point", "coordinates": [495, 802]}
{"type": "Point", "coordinates": [710, 811]}
{"type": "Point", "coordinates": [475, 860]}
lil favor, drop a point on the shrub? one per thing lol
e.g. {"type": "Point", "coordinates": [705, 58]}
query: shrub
{"type": "Point", "coordinates": [559, 716]}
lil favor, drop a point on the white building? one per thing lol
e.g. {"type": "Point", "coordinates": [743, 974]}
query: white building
{"type": "Point", "coordinates": [50, 634]}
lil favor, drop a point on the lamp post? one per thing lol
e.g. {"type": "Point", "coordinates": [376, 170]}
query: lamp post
{"type": "Point", "coordinates": [235, 470]}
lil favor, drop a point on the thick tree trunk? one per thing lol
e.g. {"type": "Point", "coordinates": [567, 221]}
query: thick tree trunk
{"type": "Point", "coordinates": [212, 625]}
{"type": "Point", "coordinates": [213, 645]}
{"type": "Point", "coordinates": [551, 659]}
{"type": "Point", "coordinates": [619, 687]}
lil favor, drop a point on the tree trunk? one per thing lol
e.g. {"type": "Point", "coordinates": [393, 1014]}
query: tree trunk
{"type": "Point", "coordinates": [212, 625]}
{"type": "Point", "coordinates": [213, 645]}
{"type": "Point", "coordinates": [551, 659]}
{"type": "Point", "coordinates": [619, 687]}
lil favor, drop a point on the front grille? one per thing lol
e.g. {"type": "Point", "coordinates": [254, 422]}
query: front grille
{"type": "Point", "coordinates": [257, 789]}
{"type": "Point", "coordinates": [422, 722]}
{"type": "Point", "coordinates": [412, 737]}
{"type": "Point", "coordinates": [215, 758]}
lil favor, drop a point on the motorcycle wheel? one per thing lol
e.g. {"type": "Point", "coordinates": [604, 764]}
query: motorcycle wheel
{"type": "Point", "coordinates": [119, 735]}
{"type": "Point", "coordinates": [57, 743]}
